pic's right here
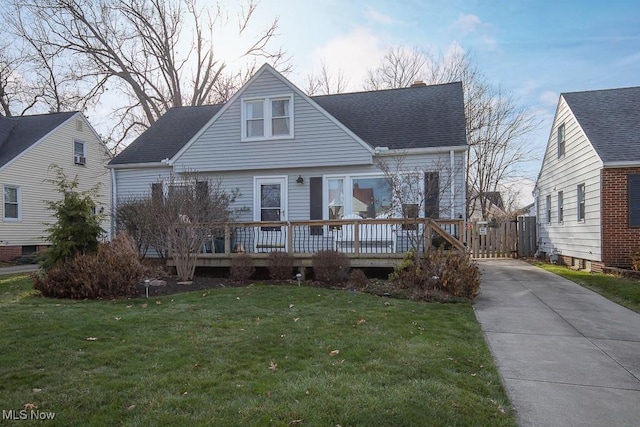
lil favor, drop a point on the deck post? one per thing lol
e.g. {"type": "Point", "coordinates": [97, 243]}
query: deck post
{"type": "Point", "coordinates": [356, 238]}
{"type": "Point", "coordinates": [290, 239]}
{"type": "Point", "coordinates": [227, 239]}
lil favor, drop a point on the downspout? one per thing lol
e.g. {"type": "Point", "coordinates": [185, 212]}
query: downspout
{"type": "Point", "coordinates": [113, 203]}
{"type": "Point", "coordinates": [464, 195]}
{"type": "Point", "coordinates": [452, 157]}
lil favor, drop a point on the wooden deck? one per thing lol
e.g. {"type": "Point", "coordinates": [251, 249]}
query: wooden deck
{"type": "Point", "coordinates": [367, 242]}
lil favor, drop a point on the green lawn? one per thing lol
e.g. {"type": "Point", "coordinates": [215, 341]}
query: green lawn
{"type": "Point", "coordinates": [260, 355]}
{"type": "Point", "coordinates": [625, 292]}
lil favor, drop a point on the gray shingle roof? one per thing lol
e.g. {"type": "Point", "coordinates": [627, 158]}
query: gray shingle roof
{"type": "Point", "coordinates": [611, 120]}
{"type": "Point", "coordinates": [21, 132]}
{"type": "Point", "coordinates": [167, 135]}
{"type": "Point", "coordinates": [415, 117]}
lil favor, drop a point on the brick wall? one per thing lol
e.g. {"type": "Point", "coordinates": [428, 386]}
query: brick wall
{"type": "Point", "coordinates": [618, 240]}
{"type": "Point", "coordinates": [8, 253]}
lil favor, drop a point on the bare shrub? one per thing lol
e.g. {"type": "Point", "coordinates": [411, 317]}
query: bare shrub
{"type": "Point", "coordinates": [331, 267]}
{"type": "Point", "coordinates": [280, 265]}
{"type": "Point", "coordinates": [358, 279]}
{"type": "Point", "coordinates": [112, 272]}
{"type": "Point", "coordinates": [241, 267]}
{"type": "Point", "coordinates": [635, 260]}
{"type": "Point", "coordinates": [438, 275]}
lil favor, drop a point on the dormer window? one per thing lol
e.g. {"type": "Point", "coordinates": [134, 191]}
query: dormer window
{"type": "Point", "coordinates": [79, 156]}
{"type": "Point", "coordinates": [267, 118]}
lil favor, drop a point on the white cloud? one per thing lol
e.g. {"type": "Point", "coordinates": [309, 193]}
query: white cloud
{"type": "Point", "coordinates": [472, 24]}
{"type": "Point", "coordinates": [352, 54]}
{"type": "Point", "coordinates": [379, 17]}
{"type": "Point", "coordinates": [549, 98]}
{"type": "Point", "coordinates": [468, 24]}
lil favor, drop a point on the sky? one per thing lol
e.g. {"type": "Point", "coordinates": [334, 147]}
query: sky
{"type": "Point", "coordinates": [533, 50]}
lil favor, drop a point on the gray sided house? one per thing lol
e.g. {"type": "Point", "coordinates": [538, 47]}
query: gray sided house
{"type": "Point", "coordinates": [588, 188]}
{"type": "Point", "coordinates": [28, 146]}
{"type": "Point", "coordinates": [293, 157]}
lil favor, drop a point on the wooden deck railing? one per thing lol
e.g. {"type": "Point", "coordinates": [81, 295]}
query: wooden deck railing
{"type": "Point", "coordinates": [353, 236]}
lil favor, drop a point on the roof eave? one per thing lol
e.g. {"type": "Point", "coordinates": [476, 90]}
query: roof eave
{"type": "Point", "coordinates": [161, 164]}
{"type": "Point", "coordinates": [621, 164]}
{"type": "Point", "coordinates": [421, 150]}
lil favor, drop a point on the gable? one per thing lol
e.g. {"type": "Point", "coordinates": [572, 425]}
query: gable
{"type": "Point", "coordinates": [332, 130]}
{"type": "Point", "coordinates": [317, 139]}
{"type": "Point", "coordinates": [579, 159]}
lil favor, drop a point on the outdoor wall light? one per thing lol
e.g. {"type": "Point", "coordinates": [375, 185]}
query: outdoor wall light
{"type": "Point", "coordinates": [300, 179]}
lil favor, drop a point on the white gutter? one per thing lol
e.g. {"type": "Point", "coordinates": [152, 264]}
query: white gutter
{"type": "Point", "coordinates": [139, 165]}
{"type": "Point", "coordinates": [425, 150]}
{"type": "Point", "coordinates": [622, 164]}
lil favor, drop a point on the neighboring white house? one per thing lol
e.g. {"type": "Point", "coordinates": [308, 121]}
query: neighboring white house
{"type": "Point", "coordinates": [316, 156]}
{"type": "Point", "coordinates": [28, 146]}
{"type": "Point", "coordinates": [588, 188]}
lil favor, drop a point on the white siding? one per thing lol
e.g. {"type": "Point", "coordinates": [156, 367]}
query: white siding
{"type": "Point", "coordinates": [30, 170]}
{"type": "Point", "coordinates": [137, 182]}
{"type": "Point", "coordinates": [317, 140]}
{"type": "Point", "coordinates": [298, 197]}
{"type": "Point", "coordinates": [580, 165]}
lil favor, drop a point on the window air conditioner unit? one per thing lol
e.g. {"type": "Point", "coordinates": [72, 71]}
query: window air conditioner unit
{"type": "Point", "coordinates": [79, 160]}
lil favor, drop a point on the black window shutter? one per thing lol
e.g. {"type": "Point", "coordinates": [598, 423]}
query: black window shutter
{"type": "Point", "coordinates": [432, 195]}
{"type": "Point", "coordinates": [156, 192]}
{"type": "Point", "coordinates": [315, 204]}
{"type": "Point", "coordinates": [633, 184]}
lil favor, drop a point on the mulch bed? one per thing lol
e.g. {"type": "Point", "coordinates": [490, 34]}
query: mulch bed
{"type": "Point", "coordinates": [199, 284]}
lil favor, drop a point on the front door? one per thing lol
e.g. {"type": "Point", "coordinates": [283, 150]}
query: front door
{"type": "Point", "coordinates": [270, 204]}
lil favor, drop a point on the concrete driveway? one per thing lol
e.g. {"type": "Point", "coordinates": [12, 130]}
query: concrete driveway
{"type": "Point", "coordinates": [26, 268]}
{"type": "Point", "coordinates": [567, 356]}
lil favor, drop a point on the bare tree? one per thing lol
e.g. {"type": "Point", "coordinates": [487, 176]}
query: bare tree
{"type": "Point", "coordinates": [496, 124]}
{"type": "Point", "coordinates": [177, 218]}
{"type": "Point", "coordinates": [400, 68]}
{"type": "Point", "coordinates": [421, 191]}
{"type": "Point", "coordinates": [326, 83]}
{"type": "Point", "coordinates": [140, 49]}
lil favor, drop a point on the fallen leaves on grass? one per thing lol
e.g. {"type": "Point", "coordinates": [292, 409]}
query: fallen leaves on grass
{"type": "Point", "coordinates": [131, 407]}
{"type": "Point", "coordinates": [273, 366]}
{"type": "Point", "coordinates": [29, 406]}
{"type": "Point", "coordinates": [334, 352]}
{"type": "Point", "coordinates": [92, 339]}
{"type": "Point", "coordinates": [295, 319]}
{"type": "Point", "coordinates": [36, 390]}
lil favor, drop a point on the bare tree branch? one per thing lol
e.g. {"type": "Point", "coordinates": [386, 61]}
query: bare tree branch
{"type": "Point", "coordinates": [154, 54]}
{"type": "Point", "coordinates": [496, 125]}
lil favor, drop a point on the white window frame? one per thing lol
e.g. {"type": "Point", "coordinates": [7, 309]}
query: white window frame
{"type": "Point", "coordinates": [560, 207]}
{"type": "Point", "coordinates": [76, 154]}
{"type": "Point", "coordinates": [267, 118]}
{"type": "Point", "coordinates": [562, 137]}
{"type": "Point", "coordinates": [548, 208]}
{"type": "Point", "coordinates": [347, 182]}
{"type": "Point", "coordinates": [19, 203]}
{"type": "Point", "coordinates": [581, 198]}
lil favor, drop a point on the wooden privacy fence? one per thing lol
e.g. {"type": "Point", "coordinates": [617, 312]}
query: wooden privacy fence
{"type": "Point", "coordinates": [505, 239]}
{"type": "Point", "coordinates": [493, 239]}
